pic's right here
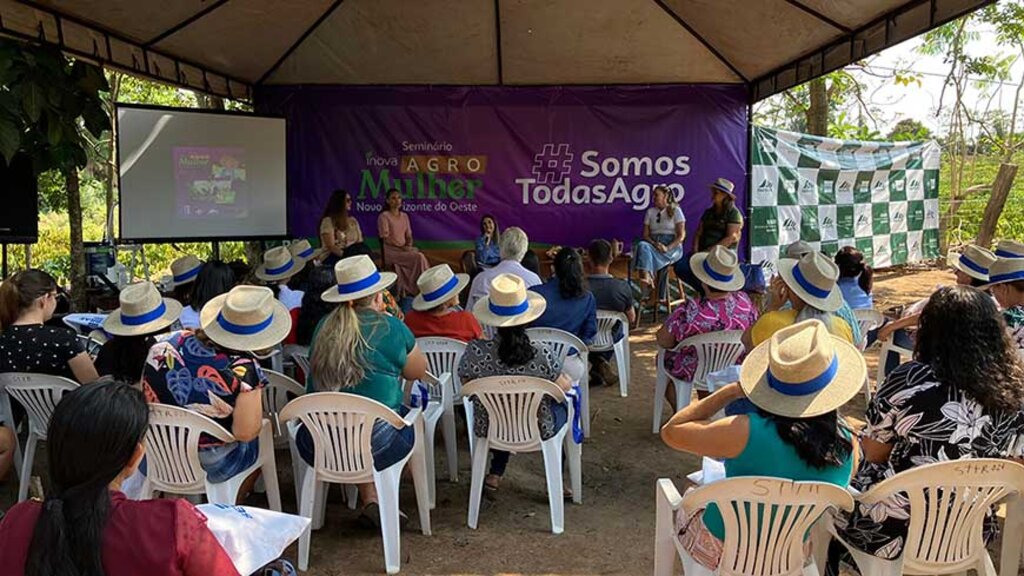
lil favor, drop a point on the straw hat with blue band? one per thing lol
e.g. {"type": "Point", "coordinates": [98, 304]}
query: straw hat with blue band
{"type": "Point", "coordinates": [438, 285]}
{"type": "Point", "coordinates": [802, 371]}
{"type": "Point", "coordinates": [357, 278]}
{"type": "Point", "coordinates": [278, 264]}
{"type": "Point", "coordinates": [304, 251]}
{"type": "Point", "coordinates": [719, 268]}
{"type": "Point", "coordinates": [726, 186]}
{"type": "Point", "coordinates": [1009, 249]}
{"type": "Point", "coordinates": [509, 303]}
{"type": "Point", "coordinates": [975, 262]}
{"type": "Point", "coordinates": [813, 278]}
{"type": "Point", "coordinates": [248, 318]}
{"type": "Point", "coordinates": [142, 311]}
{"type": "Point", "coordinates": [185, 269]}
{"type": "Point", "coordinates": [1005, 270]}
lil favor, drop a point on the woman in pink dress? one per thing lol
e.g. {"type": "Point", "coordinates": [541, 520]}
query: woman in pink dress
{"type": "Point", "coordinates": [396, 240]}
{"type": "Point", "coordinates": [723, 307]}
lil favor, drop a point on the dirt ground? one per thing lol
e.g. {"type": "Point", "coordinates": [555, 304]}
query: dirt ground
{"type": "Point", "coordinates": [612, 532]}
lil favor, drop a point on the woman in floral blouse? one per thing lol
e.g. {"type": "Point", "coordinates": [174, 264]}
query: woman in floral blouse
{"type": "Point", "coordinates": [960, 397]}
{"type": "Point", "coordinates": [723, 307]}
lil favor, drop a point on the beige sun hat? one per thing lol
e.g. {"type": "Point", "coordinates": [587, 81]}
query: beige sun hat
{"type": "Point", "coordinates": [1009, 249]}
{"type": "Point", "coordinates": [185, 269]}
{"type": "Point", "coordinates": [142, 311]}
{"type": "Point", "coordinates": [718, 268]}
{"type": "Point", "coordinates": [798, 249]}
{"type": "Point", "coordinates": [975, 262]}
{"type": "Point", "coordinates": [304, 251]}
{"type": "Point", "coordinates": [724, 185]}
{"type": "Point", "coordinates": [1005, 270]}
{"type": "Point", "coordinates": [813, 278]}
{"type": "Point", "coordinates": [438, 284]}
{"type": "Point", "coordinates": [247, 318]}
{"type": "Point", "coordinates": [278, 264]}
{"type": "Point", "coordinates": [509, 303]}
{"type": "Point", "coordinates": [802, 371]}
{"type": "Point", "coordinates": [357, 278]}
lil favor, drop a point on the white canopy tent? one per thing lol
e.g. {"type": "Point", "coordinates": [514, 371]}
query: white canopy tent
{"type": "Point", "coordinates": [229, 47]}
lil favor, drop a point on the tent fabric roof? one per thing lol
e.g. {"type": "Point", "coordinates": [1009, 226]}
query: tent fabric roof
{"type": "Point", "coordinates": [227, 47]}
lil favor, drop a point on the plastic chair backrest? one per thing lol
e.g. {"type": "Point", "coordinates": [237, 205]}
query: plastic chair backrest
{"type": "Point", "coordinates": [560, 341]}
{"type": "Point", "coordinates": [443, 356]}
{"type": "Point", "coordinates": [301, 359]}
{"type": "Point", "coordinates": [341, 425]}
{"type": "Point", "coordinates": [511, 403]}
{"type": "Point", "coordinates": [948, 505]}
{"type": "Point", "coordinates": [92, 347]}
{"type": "Point", "coordinates": [869, 319]}
{"type": "Point", "coordinates": [279, 391]}
{"type": "Point", "coordinates": [38, 394]}
{"type": "Point", "coordinates": [766, 520]}
{"type": "Point", "coordinates": [172, 448]}
{"type": "Point", "coordinates": [715, 351]}
{"type": "Point", "coordinates": [606, 321]}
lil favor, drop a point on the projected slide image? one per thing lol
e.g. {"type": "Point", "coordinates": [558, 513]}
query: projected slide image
{"type": "Point", "coordinates": [211, 182]}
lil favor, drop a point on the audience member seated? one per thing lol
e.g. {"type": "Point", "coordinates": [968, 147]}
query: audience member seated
{"type": "Point", "coordinates": [570, 305]}
{"type": "Point", "coordinates": [435, 311]}
{"type": "Point", "coordinates": [798, 250]}
{"type": "Point", "coordinates": [721, 224]}
{"type": "Point", "coordinates": [340, 234]}
{"type": "Point", "coordinates": [960, 397]}
{"type": "Point", "coordinates": [531, 262]}
{"type": "Point", "coordinates": [302, 250]}
{"type": "Point", "coordinates": [808, 285]}
{"type": "Point", "coordinates": [306, 318]}
{"type": "Point", "coordinates": [509, 307]}
{"type": "Point", "coordinates": [143, 314]}
{"type": "Point", "coordinates": [972, 266]}
{"type": "Point", "coordinates": [214, 278]}
{"type": "Point", "coordinates": [797, 380]}
{"type": "Point", "coordinates": [361, 350]}
{"type": "Point", "coordinates": [514, 247]}
{"type": "Point", "coordinates": [86, 525]}
{"type": "Point", "coordinates": [214, 371]}
{"type": "Point", "coordinates": [662, 242]}
{"type": "Point", "coordinates": [1009, 249]}
{"type": "Point", "coordinates": [611, 294]}
{"type": "Point", "coordinates": [396, 242]}
{"type": "Point", "coordinates": [724, 306]}
{"type": "Point", "coordinates": [856, 278]}
{"type": "Point", "coordinates": [487, 251]}
{"type": "Point", "coordinates": [1006, 284]}
{"type": "Point", "coordinates": [27, 344]}
{"type": "Point", "coordinates": [278, 267]}
{"type": "Point", "coordinates": [183, 275]}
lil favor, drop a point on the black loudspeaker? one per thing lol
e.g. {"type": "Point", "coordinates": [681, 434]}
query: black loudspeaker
{"type": "Point", "coordinates": [19, 202]}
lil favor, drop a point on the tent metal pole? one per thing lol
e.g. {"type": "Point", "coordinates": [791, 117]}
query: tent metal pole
{"type": "Point", "coordinates": [497, 40]}
{"type": "Point", "coordinates": [679, 20]}
{"type": "Point", "coordinates": [299, 41]}
{"type": "Point", "coordinates": [184, 23]}
{"type": "Point", "coordinates": [819, 15]}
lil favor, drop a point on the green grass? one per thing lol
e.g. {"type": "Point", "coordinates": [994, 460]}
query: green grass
{"type": "Point", "coordinates": [982, 170]}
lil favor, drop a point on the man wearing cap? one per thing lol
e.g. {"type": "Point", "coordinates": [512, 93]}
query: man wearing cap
{"type": "Point", "coordinates": [435, 310]}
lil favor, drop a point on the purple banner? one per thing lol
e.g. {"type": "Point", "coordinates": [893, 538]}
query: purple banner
{"type": "Point", "coordinates": [567, 164]}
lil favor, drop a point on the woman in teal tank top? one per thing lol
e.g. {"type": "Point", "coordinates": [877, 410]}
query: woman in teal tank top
{"type": "Point", "coordinates": [796, 381]}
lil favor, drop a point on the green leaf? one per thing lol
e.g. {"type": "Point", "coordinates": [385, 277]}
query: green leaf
{"type": "Point", "coordinates": [96, 119]}
{"type": "Point", "coordinates": [10, 138]}
{"type": "Point", "coordinates": [32, 101]}
{"type": "Point", "coordinates": [54, 131]}
{"type": "Point", "coordinates": [90, 78]}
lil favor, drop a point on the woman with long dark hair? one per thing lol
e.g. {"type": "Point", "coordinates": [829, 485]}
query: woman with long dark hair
{"type": "Point", "coordinates": [488, 253]}
{"type": "Point", "coordinates": [960, 397]}
{"type": "Point", "coordinates": [340, 233]}
{"type": "Point", "coordinates": [141, 316]}
{"type": "Point", "coordinates": [509, 307]}
{"type": "Point", "coordinates": [314, 307]}
{"type": "Point", "coordinates": [856, 278]}
{"type": "Point", "coordinates": [86, 526]}
{"type": "Point", "coordinates": [214, 278]}
{"type": "Point", "coordinates": [797, 380]}
{"type": "Point", "coordinates": [570, 305]}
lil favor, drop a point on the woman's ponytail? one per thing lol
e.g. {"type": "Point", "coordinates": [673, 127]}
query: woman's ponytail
{"type": "Point", "coordinates": [19, 291]}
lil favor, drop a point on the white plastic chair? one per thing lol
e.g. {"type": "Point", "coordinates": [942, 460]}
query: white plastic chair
{"type": "Point", "coordinates": [511, 403]}
{"type": "Point", "coordinates": [300, 357]}
{"type": "Point", "coordinates": [341, 425]}
{"type": "Point", "coordinates": [562, 342]}
{"type": "Point", "coordinates": [172, 457]}
{"type": "Point", "coordinates": [756, 543]}
{"type": "Point", "coordinates": [280, 390]}
{"type": "Point", "coordinates": [715, 351]}
{"type": "Point", "coordinates": [887, 347]}
{"type": "Point", "coordinates": [868, 319]}
{"type": "Point", "coordinates": [948, 504]}
{"type": "Point", "coordinates": [7, 419]}
{"type": "Point", "coordinates": [39, 395]}
{"type": "Point", "coordinates": [605, 342]}
{"type": "Point", "coordinates": [443, 356]}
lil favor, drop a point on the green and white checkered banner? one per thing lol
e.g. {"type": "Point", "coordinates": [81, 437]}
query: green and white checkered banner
{"type": "Point", "coordinates": [881, 197]}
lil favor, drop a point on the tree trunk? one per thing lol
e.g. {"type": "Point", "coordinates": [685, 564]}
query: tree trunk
{"type": "Point", "coordinates": [994, 208]}
{"type": "Point", "coordinates": [79, 301]}
{"type": "Point", "coordinates": [111, 168]}
{"type": "Point", "coordinates": [817, 112]}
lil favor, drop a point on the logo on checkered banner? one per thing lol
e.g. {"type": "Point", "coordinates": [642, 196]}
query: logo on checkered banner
{"type": "Point", "coordinates": [846, 186]}
{"type": "Point", "coordinates": [898, 217]}
{"type": "Point", "coordinates": [789, 225]}
{"type": "Point", "coordinates": [807, 187]}
{"type": "Point", "coordinates": [766, 187]}
{"type": "Point", "coordinates": [863, 220]}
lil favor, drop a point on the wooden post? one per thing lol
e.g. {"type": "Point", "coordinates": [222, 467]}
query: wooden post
{"type": "Point", "coordinates": [1000, 190]}
{"type": "Point", "coordinates": [28, 256]}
